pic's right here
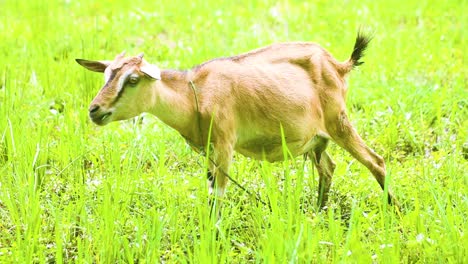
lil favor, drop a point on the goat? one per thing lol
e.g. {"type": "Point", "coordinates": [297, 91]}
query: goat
{"type": "Point", "coordinates": [251, 102]}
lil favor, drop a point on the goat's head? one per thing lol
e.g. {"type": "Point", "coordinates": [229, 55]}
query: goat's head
{"type": "Point", "coordinates": [127, 91]}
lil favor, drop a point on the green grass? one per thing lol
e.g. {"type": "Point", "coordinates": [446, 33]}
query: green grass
{"type": "Point", "coordinates": [135, 192]}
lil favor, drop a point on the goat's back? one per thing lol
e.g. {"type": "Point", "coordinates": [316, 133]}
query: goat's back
{"type": "Point", "coordinates": [256, 93]}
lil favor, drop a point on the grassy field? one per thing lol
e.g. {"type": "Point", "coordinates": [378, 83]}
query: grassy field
{"type": "Point", "coordinates": [135, 192]}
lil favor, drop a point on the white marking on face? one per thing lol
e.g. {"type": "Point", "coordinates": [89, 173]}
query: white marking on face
{"type": "Point", "coordinates": [122, 79]}
{"type": "Point", "coordinates": [107, 74]}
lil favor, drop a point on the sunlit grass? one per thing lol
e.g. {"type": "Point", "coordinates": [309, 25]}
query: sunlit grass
{"type": "Point", "coordinates": [135, 192]}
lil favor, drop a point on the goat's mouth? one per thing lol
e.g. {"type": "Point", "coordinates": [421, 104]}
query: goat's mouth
{"type": "Point", "coordinates": [101, 119]}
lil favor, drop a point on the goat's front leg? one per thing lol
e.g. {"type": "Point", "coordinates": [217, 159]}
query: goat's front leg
{"type": "Point", "coordinates": [217, 176]}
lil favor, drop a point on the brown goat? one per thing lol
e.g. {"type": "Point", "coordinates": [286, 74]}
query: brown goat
{"type": "Point", "coordinates": [246, 100]}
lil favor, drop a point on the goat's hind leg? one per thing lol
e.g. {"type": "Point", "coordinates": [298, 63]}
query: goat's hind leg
{"type": "Point", "coordinates": [325, 167]}
{"type": "Point", "coordinates": [344, 134]}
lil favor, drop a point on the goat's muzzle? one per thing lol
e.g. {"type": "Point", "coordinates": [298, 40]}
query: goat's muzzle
{"type": "Point", "coordinates": [98, 115]}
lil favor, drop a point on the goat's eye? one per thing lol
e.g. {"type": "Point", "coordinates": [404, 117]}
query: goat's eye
{"type": "Point", "coordinates": [133, 80]}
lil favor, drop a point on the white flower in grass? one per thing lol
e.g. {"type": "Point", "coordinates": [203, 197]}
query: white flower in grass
{"type": "Point", "coordinates": [421, 237]}
{"type": "Point", "coordinates": [386, 246]}
{"type": "Point", "coordinates": [93, 184]}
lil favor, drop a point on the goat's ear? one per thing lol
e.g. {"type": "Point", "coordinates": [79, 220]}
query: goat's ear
{"type": "Point", "coordinates": [97, 66]}
{"type": "Point", "coordinates": [151, 70]}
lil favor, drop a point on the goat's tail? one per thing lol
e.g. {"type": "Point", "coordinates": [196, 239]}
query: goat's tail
{"type": "Point", "coordinates": [362, 41]}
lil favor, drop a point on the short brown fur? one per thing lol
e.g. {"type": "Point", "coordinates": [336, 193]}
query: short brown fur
{"type": "Point", "coordinates": [295, 87]}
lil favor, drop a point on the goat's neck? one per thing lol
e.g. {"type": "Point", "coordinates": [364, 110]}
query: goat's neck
{"type": "Point", "coordinates": [175, 103]}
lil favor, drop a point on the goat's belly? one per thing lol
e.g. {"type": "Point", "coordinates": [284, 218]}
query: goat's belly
{"type": "Point", "coordinates": [272, 150]}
